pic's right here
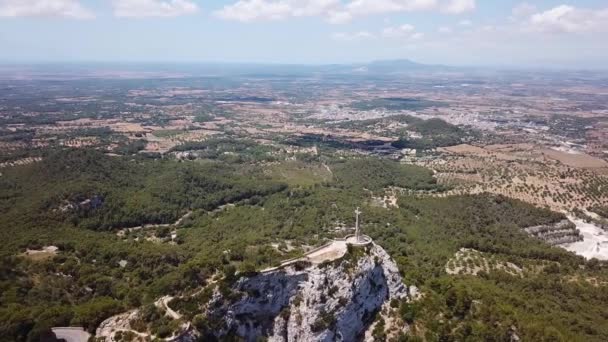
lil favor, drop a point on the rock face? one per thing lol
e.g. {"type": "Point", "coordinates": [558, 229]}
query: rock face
{"type": "Point", "coordinates": [83, 206]}
{"type": "Point", "coordinates": [336, 301]}
{"type": "Point", "coordinates": [556, 234]}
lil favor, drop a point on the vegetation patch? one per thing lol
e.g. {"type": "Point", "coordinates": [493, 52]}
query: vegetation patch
{"type": "Point", "coordinates": [297, 173]}
{"type": "Point", "coordinates": [397, 103]}
{"type": "Point", "coordinates": [377, 174]}
{"type": "Point", "coordinates": [472, 262]}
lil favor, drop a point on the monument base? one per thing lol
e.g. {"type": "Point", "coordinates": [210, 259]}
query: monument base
{"type": "Point", "coordinates": [363, 240]}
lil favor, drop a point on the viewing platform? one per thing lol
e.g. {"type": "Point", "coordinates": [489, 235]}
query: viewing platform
{"type": "Point", "coordinates": [335, 249]}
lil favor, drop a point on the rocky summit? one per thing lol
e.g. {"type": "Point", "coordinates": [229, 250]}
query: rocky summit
{"type": "Point", "coordinates": [332, 301]}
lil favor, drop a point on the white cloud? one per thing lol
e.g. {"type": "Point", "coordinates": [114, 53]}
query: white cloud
{"type": "Point", "coordinates": [445, 30]}
{"type": "Point", "coordinates": [523, 10]}
{"type": "Point", "coordinates": [334, 11]}
{"type": "Point", "coordinates": [366, 7]}
{"type": "Point", "coordinates": [153, 8]}
{"type": "Point", "coordinates": [489, 28]}
{"type": "Point", "coordinates": [575, 34]}
{"type": "Point", "coordinates": [465, 22]}
{"type": "Point", "coordinates": [339, 17]}
{"type": "Point", "coordinates": [250, 10]}
{"type": "Point", "coordinates": [314, 7]}
{"type": "Point", "coordinates": [344, 36]}
{"type": "Point", "coordinates": [569, 19]}
{"type": "Point", "coordinates": [458, 6]}
{"type": "Point", "coordinates": [399, 31]}
{"type": "Point", "coordinates": [417, 35]}
{"type": "Point", "coordinates": [44, 8]}
{"type": "Point", "coordinates": [403, 31]}
{"type": "Point", "coordinates": [256, 10]}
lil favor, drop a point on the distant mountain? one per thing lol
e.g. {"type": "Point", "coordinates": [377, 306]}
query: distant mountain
{"type": "Point", "coordinates": [395, 64]}
{"type": "Point", "coordinates": [178, 70]}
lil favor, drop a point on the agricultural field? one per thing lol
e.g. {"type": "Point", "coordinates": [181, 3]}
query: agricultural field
{"type": "Point", "coordinates": [130, 202]}
{"type": "Point", "coordinates": [547, 178]}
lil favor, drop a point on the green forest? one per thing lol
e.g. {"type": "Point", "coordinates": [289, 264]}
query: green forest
{"type": "Point", "coordinates": [430, 133]}
{"type": "Point", "coordinates": [78, 200]}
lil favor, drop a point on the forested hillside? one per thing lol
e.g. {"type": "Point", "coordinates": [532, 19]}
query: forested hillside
{"type": "Point", "coordinates": [78, 200]}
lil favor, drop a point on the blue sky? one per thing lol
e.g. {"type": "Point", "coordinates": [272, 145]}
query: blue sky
{"type": "Point", "coordinates": [452, 32]}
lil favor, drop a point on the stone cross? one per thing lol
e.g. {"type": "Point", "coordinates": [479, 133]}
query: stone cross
{"type": "Point", "coordinates": [357, 229]}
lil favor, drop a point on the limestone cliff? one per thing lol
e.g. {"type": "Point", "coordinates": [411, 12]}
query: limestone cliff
{"type": "Point", "coordinates": [334, 301]}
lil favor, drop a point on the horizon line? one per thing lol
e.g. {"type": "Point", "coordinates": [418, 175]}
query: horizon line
{"type": "Point", "coordinates": [520, 66]}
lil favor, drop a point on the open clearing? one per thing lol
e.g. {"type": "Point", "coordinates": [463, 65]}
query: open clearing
{"type": "Point", "coordinates": [574, 159]}
{"type": "Point", "coordinates": [301, 174]}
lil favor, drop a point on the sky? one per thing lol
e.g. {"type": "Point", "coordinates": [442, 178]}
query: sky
{"type": "Point", "coordinates": [450, 32]}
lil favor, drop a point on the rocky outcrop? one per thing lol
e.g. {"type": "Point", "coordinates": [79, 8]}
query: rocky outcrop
{"type": "Point", "coordinates": [334, 301]}
{"type": "Point", "coordinates": [559, 233]}
{"type": "Point", "coordinates": [120, 328]}
{"type": "Point", "coordinates": [82, 206]}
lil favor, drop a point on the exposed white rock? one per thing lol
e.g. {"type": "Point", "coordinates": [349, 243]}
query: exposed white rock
{"type": "Point", "coordinates": [51, 250]}
{"type": "Point", "coordinates": [334, 301]}
{"type": "Point", "coordinates": [71, 334]}
{"type": "Point", "coordinates": [594, 243]}
{"type": "Point", "coordinates": [108, 328]}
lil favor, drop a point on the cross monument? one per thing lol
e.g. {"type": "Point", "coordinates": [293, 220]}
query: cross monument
{"type": "Point", "coordinates": [357, 229]}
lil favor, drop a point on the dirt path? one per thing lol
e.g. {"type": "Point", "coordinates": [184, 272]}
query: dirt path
{"type": "Point", "coordinates": [328, 169]}
{"type": "Point", "coordinates": [163, 303]}
{"type": "Point", "coordinates": [123, 231]}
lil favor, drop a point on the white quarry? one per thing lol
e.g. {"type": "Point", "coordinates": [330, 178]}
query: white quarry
{"type": "Point", "coordinates": [562, 232]}
{"type": "Point", "coordinates": [594, 243]}
{"type": "Point", "coordinates": [582, 237]}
